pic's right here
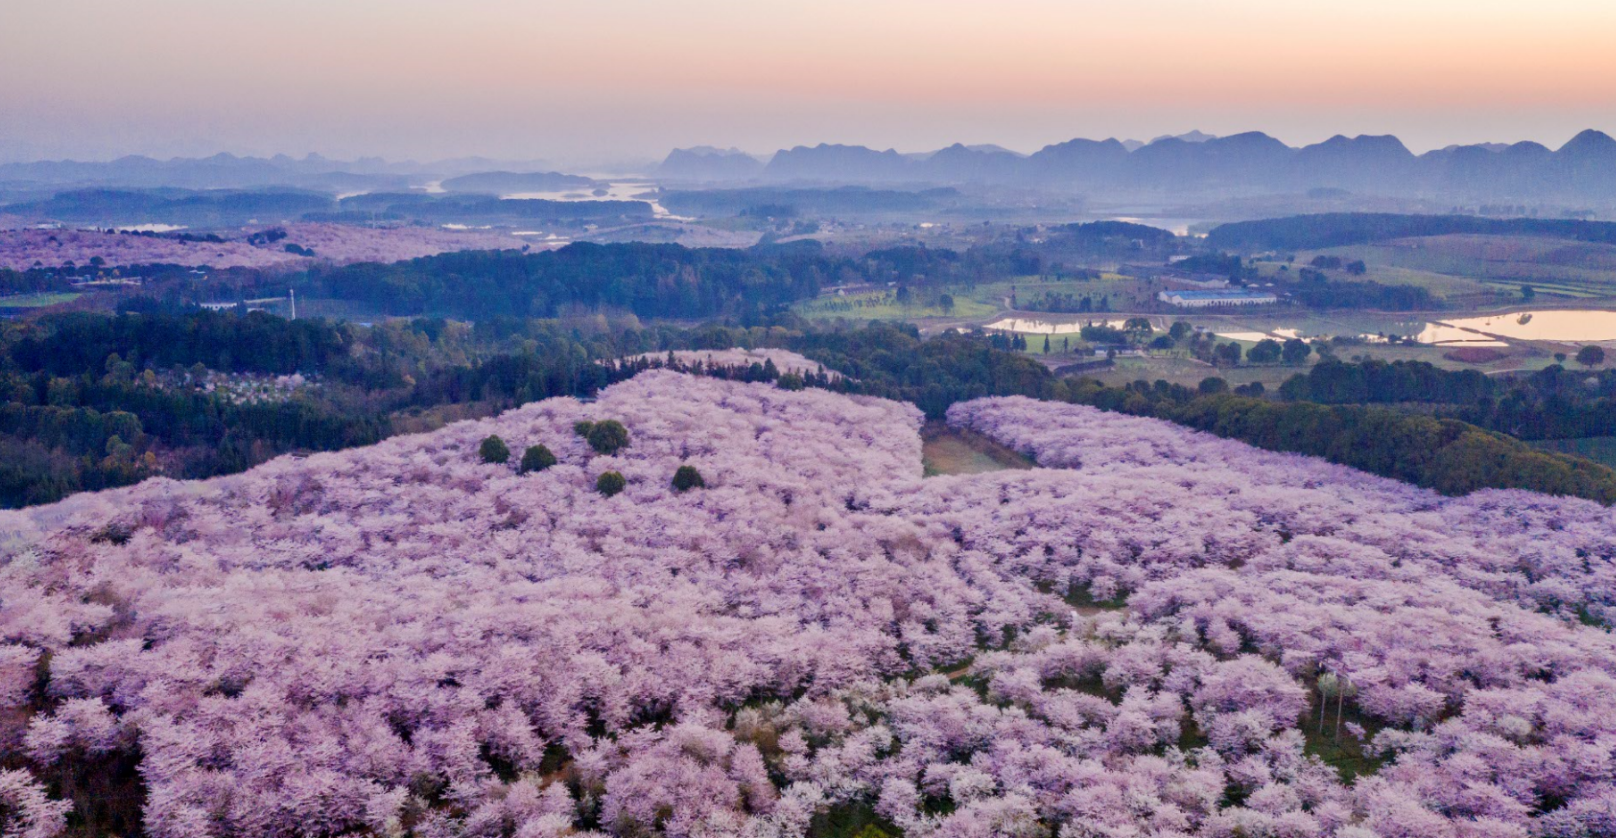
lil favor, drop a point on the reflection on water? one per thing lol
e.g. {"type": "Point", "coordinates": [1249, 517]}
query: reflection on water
{"type": "Point", "coordinates": [1442, 334]}
{"type": "Point", "coordinates": [1564, 326]}
{"type": "Point", "coordinates": [151, 228]}
{"type": "Point", "coordinates": [624, 190]}
{"type": "Point", "coordinates": [1046, 327]}
{"type": "Point", "coordinates": [1575, 326]}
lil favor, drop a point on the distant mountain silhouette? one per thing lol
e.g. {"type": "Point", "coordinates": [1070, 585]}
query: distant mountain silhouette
{"type": "Point", "coordinates": [227, 171]}
{"type": "Point", "coordinates": [1196, 163]}
{"type": "Point", "coordinates": [1191, 137]}
{"type": "Point", "coordinates": [706, 163]}
{"type": "Point", "coordinates": [846, 162]}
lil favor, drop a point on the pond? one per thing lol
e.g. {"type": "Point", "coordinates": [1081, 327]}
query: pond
{"type": "Point", "coordinates": [1048, 327]}
{"type": "Point", "coordinates": [1570, 326]}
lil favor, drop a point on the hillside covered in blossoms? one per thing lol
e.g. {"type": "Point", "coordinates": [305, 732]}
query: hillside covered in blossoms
{"type": "Point", "coordinates": [1155, 633]}
{"type": "Point", "coordinates": [22, 249]}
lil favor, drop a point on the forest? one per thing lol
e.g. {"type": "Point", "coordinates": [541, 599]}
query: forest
{"type": "Point", "coordinates": [1450, 456]}
{"type": "Point", "coordinates": [1553, 403]}
{"type": "Point", "coordinates": [93, 401]}
{"type": "Point", "coordinates": [1317, 232]}
{"type": "Point", "coordinates": [649, 280]}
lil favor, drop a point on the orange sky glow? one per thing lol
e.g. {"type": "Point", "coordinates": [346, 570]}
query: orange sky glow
{"type": "Point", "coordinates": [629, 78]}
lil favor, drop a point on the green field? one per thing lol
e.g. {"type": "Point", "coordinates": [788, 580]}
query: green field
{"type": "Point", "coordinates": [1453, 267]}
{"type": "Point", "coordinates": [882, 306]}
{"type": "Point", "coordinates": [946, 450]}
{"type": "Point", "coordinates": [40, 300]}
{"type": "Point", "coordinates": [1189, 372]}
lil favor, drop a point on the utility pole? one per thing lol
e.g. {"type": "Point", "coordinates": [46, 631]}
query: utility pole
{"type": "Point", "coordinates": [291, 294]}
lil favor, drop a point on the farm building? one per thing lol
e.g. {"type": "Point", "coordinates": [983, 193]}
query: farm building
{"type": "Point", "coordinates": [1212, 299]}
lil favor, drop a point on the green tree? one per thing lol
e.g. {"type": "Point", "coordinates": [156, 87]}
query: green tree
{"type": "Point", "coordinates": [493, 450]}
{"type": "Point", "coordinates": [610, 483]}
{"type": "Point", "coordinates": [537, 458]}
{"type": "Point", "coordinates": [608, 437]}
{"type": "Point", "coordinates": [1295, 351]}
{"type": "Point", "coordinates": [687, 478]}
{"type": "Point", "coordinates": [1267, 351]}
{"type": "Point", "coordinates": [1591, 356]}
{"type": "Point", "coordinates": [583, 428]}
{"type": "Point", "coordinates": [1528, 293]}
{"type": "Point", "coordinates": [1227, 354]}
{"type": "Point", "coordinates": [790, 381]}
{"type": "Point", "coordinates": [1214, 385]}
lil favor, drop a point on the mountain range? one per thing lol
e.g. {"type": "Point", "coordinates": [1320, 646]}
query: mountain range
{"type": "Point", "coordinates": [1248, 163]}
{"type": "Point", "coordinates": [228, 171]}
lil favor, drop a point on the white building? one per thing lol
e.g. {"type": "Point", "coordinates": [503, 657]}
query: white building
{"type": "Point", "coordinates": [1215, 299]}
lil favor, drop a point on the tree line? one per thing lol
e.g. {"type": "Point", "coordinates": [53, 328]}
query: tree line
{"type": "Point", "coordinates": [92, 401]}
{"type": "Point", "coordinates": [1448, 455]}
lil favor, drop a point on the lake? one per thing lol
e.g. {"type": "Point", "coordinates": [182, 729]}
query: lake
{"type": "Point", "coordinates": [623, 190]}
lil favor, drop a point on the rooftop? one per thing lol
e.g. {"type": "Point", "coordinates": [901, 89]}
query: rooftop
{"type": "Point", "coordinates": [1218, 295]}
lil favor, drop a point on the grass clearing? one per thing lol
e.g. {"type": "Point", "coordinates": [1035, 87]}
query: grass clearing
{"type": "Point", "coordinates": [946, 450]}
{"type": "Point", "coordinates": [851, 820]}
{"type": "Point", "coordinates": [1189, 372]}
{"type": "Point", "coordinates": [43, 299]}
{"type": "Point", "coordinates": [1492, 264]}
{"type": "Point", "coordinates": [1346, 754]}
{"type": "Point", "coordinates": [879, 305]}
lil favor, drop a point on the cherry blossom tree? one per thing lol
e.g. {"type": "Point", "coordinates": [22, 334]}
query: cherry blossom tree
{"type": "Point", "coordinates": [1125, 641]}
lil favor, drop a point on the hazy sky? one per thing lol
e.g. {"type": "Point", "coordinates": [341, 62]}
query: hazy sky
{"type": "Point", "coordinates": [593, 80]}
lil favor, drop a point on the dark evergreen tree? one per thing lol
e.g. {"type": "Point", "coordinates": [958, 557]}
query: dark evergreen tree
{"type": "Point", "coordinates": [493, 450]}
{"type": "Point", "coordinates": [687, 478]}
{"type": "Point", "coordinates": [537, 458]}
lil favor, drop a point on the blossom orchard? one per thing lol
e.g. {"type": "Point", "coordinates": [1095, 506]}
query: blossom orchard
{"type": "Point", "coordinates": [1129, 641]}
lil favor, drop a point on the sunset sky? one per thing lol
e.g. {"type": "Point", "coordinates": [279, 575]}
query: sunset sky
{"type": "Point", "coordinates": [593, 81]}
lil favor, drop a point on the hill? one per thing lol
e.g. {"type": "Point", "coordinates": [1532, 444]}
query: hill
{"type": "Point", "coordinates": [407, 637]}
{"type": "Point", "coordinates": [705, 163]}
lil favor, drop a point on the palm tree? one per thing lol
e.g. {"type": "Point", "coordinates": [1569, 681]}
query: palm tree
{"type": "Point", "coordinates": [1329, 686]}
{"type": "Point", "coordinates": [1346, 688]}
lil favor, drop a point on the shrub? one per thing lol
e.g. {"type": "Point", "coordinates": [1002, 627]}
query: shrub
{"type": "Point", "coordinates": [687, 478]}
{"type": "Point", "coordinates": [537, 458]}
{"type": "Point", "coordinates": [610, 483]}
{"type": "Point", "coordinates": [493, 450]}
{"type": "Point", "coordinates": [582, 428]}
{"type": "Point", "coordinates": [608, 437]}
